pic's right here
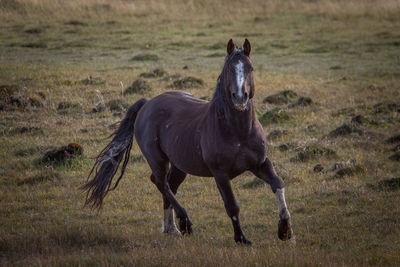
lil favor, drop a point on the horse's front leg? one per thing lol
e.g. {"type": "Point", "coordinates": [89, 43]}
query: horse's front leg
{"type": "Point", "coordinates": [231, 207]}
{"type": "Point", "coordinates": [266, 172]}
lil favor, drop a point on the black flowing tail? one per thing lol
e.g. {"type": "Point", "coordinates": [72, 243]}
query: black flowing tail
{"type": "Point", "coordinates": [109, 159]}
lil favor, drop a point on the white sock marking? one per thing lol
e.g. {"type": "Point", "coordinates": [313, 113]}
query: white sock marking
{"type": "Point", "coordinates": [168, 225]}
{"type": "Point", "coordinates": [280, 198]}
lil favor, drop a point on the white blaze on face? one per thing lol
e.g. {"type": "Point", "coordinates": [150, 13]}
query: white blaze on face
{"type": "Point", "coordinates": [239, 68]}
{"type": "Point", "coordinates": [280, 198]}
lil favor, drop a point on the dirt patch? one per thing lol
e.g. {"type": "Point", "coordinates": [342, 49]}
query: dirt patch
{"type": "Point", "coordinates": [145, 57]}
{"type": "Point", "coordinates": [19, 102]}
{"type": "Point", "coordinates": [139, 86]}
{"type": "Point", "coordinates": [312, 152]}
{"type": "Point", "coordinates": [280, 98]}
{"type": "Point", "coordinates": [274, 116]}
{"type": "Point", "coordinates": [393, 140]}
{"type": "Point", "coordinates": [33, 30]}
{"type": "Point", "coordinates": [76, 23]}
{"type": "Point", "coordinates": [34, 45]}
{"type": "Point", "coordinates": [63, 154]}
{"type": "Point", "coordinates": [187, 83]}
{"type": "Point", "coordinates": [392, 183]}
{"type": "Point", "coordinates": [345, 129]}
{"type": "Point", "coordinates": [395, 156]}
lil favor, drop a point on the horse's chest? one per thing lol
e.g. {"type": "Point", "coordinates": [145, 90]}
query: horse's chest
{"type": "Point", "coordinates": [237, 156]}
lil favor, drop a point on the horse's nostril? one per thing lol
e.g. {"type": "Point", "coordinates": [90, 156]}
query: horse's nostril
{"type": "Point", "coordinates": [245, 95]}
{"type": "Point", "coordinates": [234, 95]}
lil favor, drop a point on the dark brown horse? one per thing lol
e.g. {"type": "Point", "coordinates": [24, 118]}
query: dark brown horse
{"type": "Point", "coordinates": [180, 134]}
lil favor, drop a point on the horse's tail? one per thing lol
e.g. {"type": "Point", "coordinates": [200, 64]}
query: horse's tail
{"type": "Point", "coordinates": [109, 159]}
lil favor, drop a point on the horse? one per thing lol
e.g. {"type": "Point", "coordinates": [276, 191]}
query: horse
{"type": "Point", "coordinates": [180, 134]}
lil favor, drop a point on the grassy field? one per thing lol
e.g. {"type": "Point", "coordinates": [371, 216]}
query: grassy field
{"type": "Point", "coordinates": [338, 61]}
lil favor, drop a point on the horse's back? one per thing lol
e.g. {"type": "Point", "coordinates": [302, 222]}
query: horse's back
{"type": "Point", "coordinates": [170, 125]}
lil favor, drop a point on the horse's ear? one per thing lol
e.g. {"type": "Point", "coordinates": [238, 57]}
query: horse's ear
{"type": "Point", "coordinates": [230, 47]}
{"type": "Point", "coordinates": [246, 47]}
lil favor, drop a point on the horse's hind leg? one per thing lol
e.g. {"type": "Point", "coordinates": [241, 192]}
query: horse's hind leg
{"type": "Point", "coordinates": [159, 178]}
{"type": "Point", "coordinates": [174, 178]}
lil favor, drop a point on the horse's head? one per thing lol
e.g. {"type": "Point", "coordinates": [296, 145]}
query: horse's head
{"type": "Point", "coordinates": [238, 75]}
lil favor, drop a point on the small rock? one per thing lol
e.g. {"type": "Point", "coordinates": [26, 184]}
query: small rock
{"type": "Point", "coordinates": [395, 156]}
{"type": "Point", "coordinates": [318, 168]}
{"type": "Point", "coordinates": [185, 67]}
{"type": "Point", "coordinates": [338, 166]}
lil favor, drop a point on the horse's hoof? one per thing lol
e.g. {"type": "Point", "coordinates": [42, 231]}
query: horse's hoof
{"type": "Point", "coordinates": [172, 231]}
{"type": "Point", "coordinates": [185, 226]}
{"type": "Point", "coordinates": [242, 240]}
{"type": "Point", "coordinates": [284, 229]}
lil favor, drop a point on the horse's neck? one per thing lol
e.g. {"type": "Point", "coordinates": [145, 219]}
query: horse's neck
{"type": "Point", "coordinates": [239, 122]}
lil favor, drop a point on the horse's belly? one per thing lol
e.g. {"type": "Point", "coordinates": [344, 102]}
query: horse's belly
{"type": "Point", "coordinates": [183, 150]}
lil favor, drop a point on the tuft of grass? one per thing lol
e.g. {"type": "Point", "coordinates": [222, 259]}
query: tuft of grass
{"type": "Point", "coordinates": [344, 130]}
{"type": "Point", "coordinates": [350, 171]}
{"type": "Point", "coordinates": [312, 152]}
{"type": "Point", "coordinates": [254, 183]}
{"type": "Point", "coordinates": [117, 105]}
{"type": "Point", "coordinates": [280, 98]}
{"type": "Point", "coordinates": [274, 116]}
{"type": "Point", "coordinates": [44, 176]}
{"type": "Point", "coordinates": [187, 83]}
{"type": "Point", "coordinates": [139, 86]}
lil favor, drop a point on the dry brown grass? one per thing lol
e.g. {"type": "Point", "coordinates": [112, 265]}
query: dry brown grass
{"type": "Point", "coordinates": [342, 54]}
{"type": "Point", "coordinates": [174, 8]}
